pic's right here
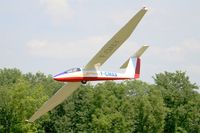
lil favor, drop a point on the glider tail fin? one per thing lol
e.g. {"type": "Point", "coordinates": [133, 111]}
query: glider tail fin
{"type": "Point", "coordinates": [133, 68]}
{"type": "Point", "coordinates": [133, 64]}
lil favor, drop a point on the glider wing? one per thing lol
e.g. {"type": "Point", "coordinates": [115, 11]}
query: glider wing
{"type": "Point", "coordinates": [116, 41]}
{"type": "Point", "coordinates": [56, 99]}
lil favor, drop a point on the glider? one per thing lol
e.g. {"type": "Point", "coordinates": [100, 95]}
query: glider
{"type": "Point", "coordinates": [77, 76]}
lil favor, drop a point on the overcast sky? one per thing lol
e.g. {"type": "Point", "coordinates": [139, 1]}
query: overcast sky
{"type": "Point", "coordinates": [51, 36]}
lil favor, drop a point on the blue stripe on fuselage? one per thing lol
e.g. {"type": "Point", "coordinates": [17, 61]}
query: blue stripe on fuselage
{"type": "Point", "coordinates": [59, 74]}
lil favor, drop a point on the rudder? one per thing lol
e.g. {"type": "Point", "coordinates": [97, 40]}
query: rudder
{"type": "Point", "coordinates": [133, 68]}
{"type": "Point", "coordinates": [134, 63]}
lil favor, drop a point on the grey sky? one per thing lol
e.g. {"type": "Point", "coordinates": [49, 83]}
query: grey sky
{"type": "Point", "coordinates": [54, 35]}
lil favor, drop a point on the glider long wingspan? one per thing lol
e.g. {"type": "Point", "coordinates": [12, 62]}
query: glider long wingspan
{"type": "Point", "coordinates": [56, 99]}
{"type": "Point", "coordinates": [110, 47]}
{"type": "Point", "coordinates": [116, 41]}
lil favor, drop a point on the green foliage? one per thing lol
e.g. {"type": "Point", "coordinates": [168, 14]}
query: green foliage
{"type": "Point", "coordinates": [182, 101]}
{"type": "Point", "coordinates": [133, 106]}
{"type": "Point", "coordinates": [169, 105]}
{"type": "Point", "coordinates": [20, 97]}
{"type": "Point", "coordinates": [9, 76]}
{"type": "Point", "coordinates": [149, 107]}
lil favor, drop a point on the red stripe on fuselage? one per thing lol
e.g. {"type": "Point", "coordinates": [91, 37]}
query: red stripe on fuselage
{"type": "Point", "coordinates": [78, 79]}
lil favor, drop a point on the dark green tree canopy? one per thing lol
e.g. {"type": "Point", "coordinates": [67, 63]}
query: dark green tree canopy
{"type": "Point", "coordinates": [169, 105]}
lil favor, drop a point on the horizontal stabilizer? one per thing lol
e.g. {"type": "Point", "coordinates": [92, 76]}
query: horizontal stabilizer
{"type": "Point", "coordinates": [136, 55]}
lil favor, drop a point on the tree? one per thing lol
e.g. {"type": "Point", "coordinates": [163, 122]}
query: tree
{"type": "Point", "coordinates": [182, 101]}
{"type": "Point", "coordinates": [9, 76]}
{"type": "Point", "coordinates": [169, 105]}
{"type": "Point", "coordinates": [133, 106]}
{"type": "Point", "coordinates": [17, 104]}
{"type": "Point", "coordinates": [20, 96]}
{"type": "Point", "coordinates": [148, 107]}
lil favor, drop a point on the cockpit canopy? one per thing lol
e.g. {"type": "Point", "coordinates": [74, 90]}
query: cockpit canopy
{"type": "Point", "coordinates": [73, 70]}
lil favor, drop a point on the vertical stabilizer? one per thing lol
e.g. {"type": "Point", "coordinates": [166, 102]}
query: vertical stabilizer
{"type": "Point", "coordinates": [133, 68]}
{"type": "Point", "coordinates": [133, 64]}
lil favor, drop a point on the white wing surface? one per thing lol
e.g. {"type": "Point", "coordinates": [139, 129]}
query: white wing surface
{"type": "Point", "coordinates": [116, 41]}
{"type": "Point", "coordinates": [56, 99]}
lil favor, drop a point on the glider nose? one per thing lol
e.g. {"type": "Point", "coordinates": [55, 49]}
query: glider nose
{"type": "Point", "coordinates": [57, 77]}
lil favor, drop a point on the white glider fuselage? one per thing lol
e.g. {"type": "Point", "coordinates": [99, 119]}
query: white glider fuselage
{"type": "Point", "coordinates": [80, 75]}
{"type": "Point", "coordinates": [132, 66]}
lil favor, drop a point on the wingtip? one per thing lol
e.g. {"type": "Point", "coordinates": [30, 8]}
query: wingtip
{"type": "Point", "coordinates": [146, 46]}
{"type": "Point", "coordinates": [145, 8]}
{"type": "Point", "coordinates": [27, 121]}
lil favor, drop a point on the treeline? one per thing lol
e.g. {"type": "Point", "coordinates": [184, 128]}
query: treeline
{"type": "Point", "coordinates": [171, 104]}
